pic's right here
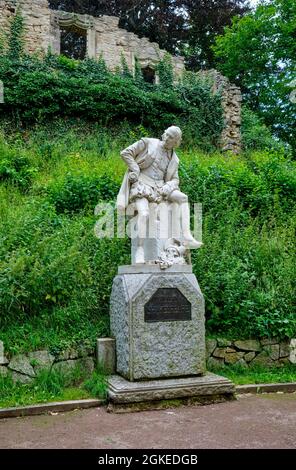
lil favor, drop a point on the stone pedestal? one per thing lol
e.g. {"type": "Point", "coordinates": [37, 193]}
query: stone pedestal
{"type": "Point", "coordinates": [157, 319]}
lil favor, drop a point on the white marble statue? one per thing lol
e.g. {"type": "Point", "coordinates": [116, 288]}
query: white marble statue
{"type": "Point", "coordinates": [152, 179]}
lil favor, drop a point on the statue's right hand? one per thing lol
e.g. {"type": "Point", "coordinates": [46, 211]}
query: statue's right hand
{"type": "Point", "coordinates": [133, 176]}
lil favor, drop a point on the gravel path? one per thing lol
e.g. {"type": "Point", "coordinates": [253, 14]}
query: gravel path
{"type": "Point", "coordinates": [253, 421]}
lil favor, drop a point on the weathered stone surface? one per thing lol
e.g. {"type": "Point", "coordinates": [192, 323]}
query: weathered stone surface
{"type": "Point", "coordinates": [23, 379]}
{"type": "Point", "coordinates": [21, 363]}
{"type": "Point", "coordinates": [4, 361]}
{"type": "Point", "coordinates": [284, 360]}
{"type": "Point", "coordinates": [148, 269]}
{"type": "Point", "coordinates": [267, 341]}
{"type": "Point", "coordinates": [70, 353]}
{"type": "Point", "coordinates": [88, 364]}
{"type": "Point", "coordinates": [285, 349]}
{"type": "Point", "coordinates": [248, 357]}
{"type": "Point", "coordinates": [161, 348]}
{"type": "Point", "coordinates": [233, 357]}
{"type": "Point", "coordinates": [231, 104]}
{"type": "Point", "coordinates": [263, 359]}
{"type": "Point", "coordinates": [248, 345]}
{"type": "Point", "coordinates": [273, 350]}
{"type": "Point", "coordinates": [106, 354]}
{"type": "Point", "coordinates": [82, 350]}
{"type": "Point", "coordinates": [210, 346]}
{"type": "Point", "coordinates": [40, 360]}
{"type": "Point", "coordinates": [67, 367]}
{"type": "Point", "coordinates": [124, 391]}
{"type": "Point", "coordinates": [292, 356]}
{"type": "Point", "coordinates": [215, 363]}
{"type": "Point", "coordinates": [43, 26]}
{"type": "Point", "coordinates": [219, 352]}
{"type": "Point", "coordinates": [241, 362]}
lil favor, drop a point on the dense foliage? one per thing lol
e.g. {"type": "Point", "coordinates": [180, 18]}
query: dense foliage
{"type": "Point", "coordinates": [56, 277]}
{"type": "Point", "coordinates": [37, 89]}
{"type": "Point", "coordinates": [258, 52]}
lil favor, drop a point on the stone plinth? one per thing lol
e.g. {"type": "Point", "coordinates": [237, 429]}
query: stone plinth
{"type": "Point", "coordinates": [206, 389]}
{"type": "Point", "coordinates": [157, 319]}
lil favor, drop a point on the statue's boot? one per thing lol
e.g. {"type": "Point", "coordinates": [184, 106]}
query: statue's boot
{"type": "Point", "coordinates": [188, 240]}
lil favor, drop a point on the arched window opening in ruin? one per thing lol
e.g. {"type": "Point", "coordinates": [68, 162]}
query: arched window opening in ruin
{"type": "Point", "coordinates": [149, 74]}
{"type": "Point", "coordinates": [73, 42]}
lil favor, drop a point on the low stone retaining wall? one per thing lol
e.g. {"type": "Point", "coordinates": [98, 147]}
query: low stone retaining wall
{"type": "Point", "coordinates": [25, 367]}
{"type": "Point", "coordinates": [265, 352]}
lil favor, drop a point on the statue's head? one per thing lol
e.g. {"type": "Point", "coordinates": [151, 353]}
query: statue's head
{"type": "Point", "coordinates": [174, 249]}
{"type": "Point", "coordinates": [172, 137]}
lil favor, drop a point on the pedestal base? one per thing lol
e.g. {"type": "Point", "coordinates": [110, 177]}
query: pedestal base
{"type": "Point", "coordinates": [157, 319]}
{"type": "Point", "coordinates": [155, 394]}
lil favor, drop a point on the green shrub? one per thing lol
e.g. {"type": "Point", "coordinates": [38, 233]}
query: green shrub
{"type": "Point", "coordinates": [15, 42]}
{"type": "Point", "coordinates": [37, 90]}
{"type": "Point", "coordinates": [166, 72]}
{"type": "Point", "coordinates": [49, 386]}
{"type": "Point", "coordinates": [15, 167]}
{"type": "Point", "coordinates": [97, 385]}
{"type": "Point", "coordinates": [256, 135]}
{"type": "Point", "coordinates": [82, 192]}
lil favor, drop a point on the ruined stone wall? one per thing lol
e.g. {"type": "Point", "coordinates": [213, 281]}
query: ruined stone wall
{"type": "Point", "coordinates": [231, 104]}
{"type": "Point", "coordinates": [113, 41]}
{"type": "Point", "coordinates": [107, 39]}
{"type": "Point", "coordinates": [7, 11]}
{"type": "Point", "coordinates": [36, 16]}
{"type": "Point", "coordinates": [42, 31]}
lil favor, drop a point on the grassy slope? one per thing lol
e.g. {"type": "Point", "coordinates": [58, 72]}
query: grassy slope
{"type": "Point", "coordinates": [56, 276]}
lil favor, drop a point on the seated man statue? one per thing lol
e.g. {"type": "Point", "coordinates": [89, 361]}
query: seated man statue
{"type": "Point", "coordinates": [152, 177]}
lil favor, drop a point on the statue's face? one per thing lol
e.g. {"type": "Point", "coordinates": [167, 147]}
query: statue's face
{"type": "Point", "coordinates": [172, 252]}
{"type": "Point", "coordinates": [171, 140]}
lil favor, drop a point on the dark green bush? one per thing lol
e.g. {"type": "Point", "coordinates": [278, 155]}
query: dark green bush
{"type": "Point", "coordinates": [256, 135]}
{"type": "Point", "coordinates": [15, 167]}
{"type": "Point", "coordinates": [37, 90]}
{"type": "Point", "coordinates": [82, 192]}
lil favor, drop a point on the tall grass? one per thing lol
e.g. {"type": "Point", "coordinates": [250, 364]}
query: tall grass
{"type": "Point", "coordinates": [56, 277]}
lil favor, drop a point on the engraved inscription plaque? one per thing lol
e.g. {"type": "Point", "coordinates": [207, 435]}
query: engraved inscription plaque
{"type": "Point", "coordinates": [167, 304]}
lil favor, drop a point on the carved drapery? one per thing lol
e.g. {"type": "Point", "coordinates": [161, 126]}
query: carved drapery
{"type": "Point", "coordinates": [66, 19]}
